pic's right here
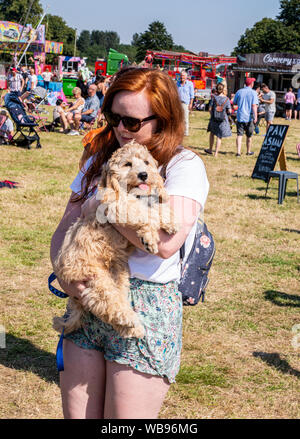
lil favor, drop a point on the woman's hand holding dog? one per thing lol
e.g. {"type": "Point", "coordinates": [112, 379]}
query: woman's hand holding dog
{"type": "Point", "coordinates": [74, 289]}
{"type": "Point", "coordinates": [89, 206]}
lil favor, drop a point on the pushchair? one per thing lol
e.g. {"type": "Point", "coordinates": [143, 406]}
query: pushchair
{"type": "Point", "coordinates": [25, 133]}
{"type": "Point", "coordinates": [34, 99]}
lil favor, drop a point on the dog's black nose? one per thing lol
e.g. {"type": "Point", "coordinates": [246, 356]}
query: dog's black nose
{"type": "Point", "coordinates": [143, 176]}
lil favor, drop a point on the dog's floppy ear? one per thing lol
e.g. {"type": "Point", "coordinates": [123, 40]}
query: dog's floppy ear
{"type": "Point", "coordinates": [108, 188]}
{"type": "Point", "coordinates": [102, 183]}
{"type": "Point", "coordinates": [114, 184]}
{"type": "Point", "coordinates": [111, 182]}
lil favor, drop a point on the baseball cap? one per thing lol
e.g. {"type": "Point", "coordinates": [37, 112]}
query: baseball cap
{"type": "Point", "coordinates": [249, 81]}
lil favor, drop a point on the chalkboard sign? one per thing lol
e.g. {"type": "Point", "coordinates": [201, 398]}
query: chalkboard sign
{"type": "Point", "coordinates": [271, 151]}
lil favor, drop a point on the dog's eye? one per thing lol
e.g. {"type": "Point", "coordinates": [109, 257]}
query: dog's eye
{"type": "Point", "coordinates": [146, 162]}
{"type": "Point", "coordinates": [128, 164]}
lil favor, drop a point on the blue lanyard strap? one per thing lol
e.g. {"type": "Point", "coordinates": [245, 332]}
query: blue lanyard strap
{"type": "Point", "coordinates": [53, 290]}
{"type": "Point", "coordinates": [59, 349]}
{"type": "Point", "coordinates": [59, 354]}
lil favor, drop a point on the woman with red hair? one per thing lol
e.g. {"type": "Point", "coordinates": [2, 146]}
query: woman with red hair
{"type": "Point", "coordinates": [105, 375]}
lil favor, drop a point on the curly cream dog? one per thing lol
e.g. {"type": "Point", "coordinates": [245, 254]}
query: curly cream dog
{"type": "Point", "coordinates": [132, 194]}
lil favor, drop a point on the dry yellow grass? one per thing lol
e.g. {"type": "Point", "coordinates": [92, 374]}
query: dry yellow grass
{"type": "Point", "coordinates": [238, 359]}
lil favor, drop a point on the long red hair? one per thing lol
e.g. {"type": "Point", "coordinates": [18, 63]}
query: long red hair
{"type": "Point", "coordinates": [163, 96]}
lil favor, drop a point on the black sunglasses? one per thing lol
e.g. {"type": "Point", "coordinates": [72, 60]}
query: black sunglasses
{"type": "Point", "coordinates": [130, 123]}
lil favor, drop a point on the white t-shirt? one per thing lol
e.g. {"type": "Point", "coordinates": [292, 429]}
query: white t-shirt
{"type": "Point", "coordinates": [185, 177]}
{"type": "Point", "coordinates": [32, 82]}
{"type": "Point", "coordinates": [47, 76]}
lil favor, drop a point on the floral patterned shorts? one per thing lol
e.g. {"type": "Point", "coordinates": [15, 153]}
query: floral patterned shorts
{"type": "Point", "coordinates": [158, 353]}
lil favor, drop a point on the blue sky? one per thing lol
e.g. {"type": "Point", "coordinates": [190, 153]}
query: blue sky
{"type": "Point", "coordinates": [213, 26]}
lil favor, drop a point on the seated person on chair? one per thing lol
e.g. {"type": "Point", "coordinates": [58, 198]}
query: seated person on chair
{"type": "Point", "coordinates": [89, 112]}
{"type": "Point", "coordinates": [7, 127]}
{"type": "Point", "coordinates": [76, 107]}
{"type": "Point", "coordinates": [58, 110]}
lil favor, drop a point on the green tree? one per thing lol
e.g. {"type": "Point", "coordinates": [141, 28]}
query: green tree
{"type": "Point", "coordinates": [106, 39]}
{"type": "Point", "coordinates": [97, 37]}
{"type": "Point", "coordinates": [289, 12]}
{"type": "Point", "coordinates": [112, 40]}
{"type": "Point", "coordinates": [16, 10]}
{"type": "Point", "coordinates": [179, 48]}
{"type": "Point", "coordinates": [128, 50]}
{"type": "Point", "coordinates": [134, 40]}
{"type": "Point", "coordinates": [268, 35]}
{"type": "Point", "coordinates": [155, 37]}
{"type": "Point", "coordinates": [84, 41]}
{"type": "Point", "coordinates": [58, 30]}
{"type": "Point", "coordinates": [94, 52]}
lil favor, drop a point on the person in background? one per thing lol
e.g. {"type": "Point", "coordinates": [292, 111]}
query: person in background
{"type": "Point", "coordinates": [234, 108]}
{"type": "Point", "coordinates": [15, 81]}
{"type": "Point", "coordinates": [101, 88]}
{"type": "Point", "coordinates": [218, 129]}
{"type": "Point", "coordinates": [257, 88]}
{"type": "Point", "coordinates": [32, 79]}
{"type": "Point", "coordinates": [212, 94]}
{"type": "Point", "coordinates": [247, 101]}
{"type": "Point", "coordinates": [7, 127]}
{"type": "Point", "coordinates": [75, 108]}
{"type": "Point", "coordinates": [88, 113]}
{"type": "Point", "coordinates": [57, 111]}
{"type": "Point", "coordinates": [261, 113]}
{"type": "Point", "coordinates": [82, 84]}
{"type": "Point", "coordinates": [47, 76]}
{"type": "Point", "coordinates": [25, 74]}
{"type": "Point", "coordinates": [289, 99]}
{"type": "Point", "coordinates": [222, 80]}
{"type": "Point", "coordinates": [260, 109]}
{"type": "Point", "coordinates": [269, 100]}
{"type": "Point", "coordinates": [297, 104]}
{"type": "Point", "coordinates": [186, 94]}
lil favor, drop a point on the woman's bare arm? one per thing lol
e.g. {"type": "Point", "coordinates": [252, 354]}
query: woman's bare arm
{"type": "Point", "coordinates": [185, 210]}
{"type": "Point", "coordinates": [76, 104]}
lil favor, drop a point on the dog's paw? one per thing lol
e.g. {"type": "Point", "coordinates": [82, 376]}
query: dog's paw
{"type": "Point", "coordinates": [150, 247]}
{"type": "Point", "coordinates": [137, 332]}
{"type": "Point", "coordinates": [58, 324]}
{"type": "Point", "coordinates": [171, 228]}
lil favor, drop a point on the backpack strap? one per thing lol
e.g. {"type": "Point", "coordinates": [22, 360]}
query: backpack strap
{"type": "Point", "coordinates": [223, 105]}
{"type": "Point", "coordinates": [182, 248]}
{"type": "Point", "coordinates": [182, 252]}
{"type": "Point", "coordinates": [163, 171]}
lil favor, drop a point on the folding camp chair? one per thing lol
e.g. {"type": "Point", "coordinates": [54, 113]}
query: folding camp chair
{"type": "Point", "coordinates": [34, 100]}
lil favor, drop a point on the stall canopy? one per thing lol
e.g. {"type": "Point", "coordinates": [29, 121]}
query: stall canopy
{"type": "Point", "coordinates": [281, 62]}
{"type": "Point", "coordinates": [184, 57]}
{"type": "Point", "coordinates": [14, 37]}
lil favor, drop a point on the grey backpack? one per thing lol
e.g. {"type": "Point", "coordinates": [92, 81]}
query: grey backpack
{"type": "Point", "coordinates": [194, 271]}
{"type": "Point", "coordinates": [219, 111]}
